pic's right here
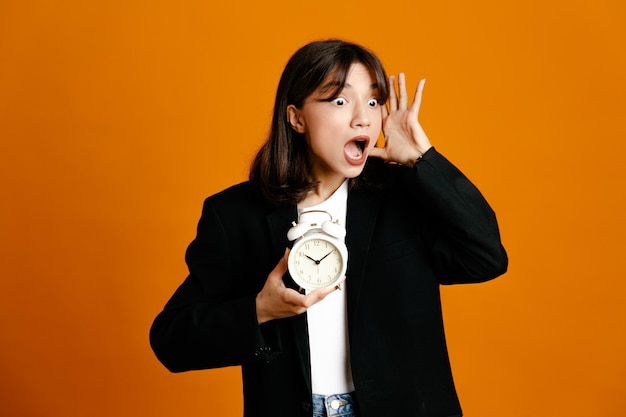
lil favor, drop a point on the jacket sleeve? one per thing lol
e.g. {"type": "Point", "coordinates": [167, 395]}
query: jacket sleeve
{"type": "Point", "coordinates": [209, 322]}
{"type": "Point", "coordinates": [466, 244]}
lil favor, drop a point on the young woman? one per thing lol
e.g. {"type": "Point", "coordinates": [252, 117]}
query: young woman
{"type": "Point", "coordinates": [374, 345]}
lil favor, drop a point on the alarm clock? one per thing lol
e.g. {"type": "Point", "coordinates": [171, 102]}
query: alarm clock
{"type": "Point", "coordinates": [319, 255]}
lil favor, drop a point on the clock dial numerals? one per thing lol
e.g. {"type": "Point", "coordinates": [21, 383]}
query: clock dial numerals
{"type": "Point", "coordinates": [317, 262]}
{"type": "Point", "coordinates": [319, 254]}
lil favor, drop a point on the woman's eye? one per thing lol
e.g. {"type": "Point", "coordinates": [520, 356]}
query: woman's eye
{"type": "Point", "coordinates": [339, 101]}
{"type": "Point", "coordinates": [372, 103]}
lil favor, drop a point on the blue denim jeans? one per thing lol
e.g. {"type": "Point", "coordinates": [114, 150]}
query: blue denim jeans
{"type": "Point", "coordinates": [338, 405]}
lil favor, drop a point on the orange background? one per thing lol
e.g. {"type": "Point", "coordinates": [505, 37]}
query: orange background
{"type": "Point", "coordinates": [117, 118]}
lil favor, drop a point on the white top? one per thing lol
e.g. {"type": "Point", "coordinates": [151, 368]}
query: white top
{"type": "Point", "coordinates": [328, 322]}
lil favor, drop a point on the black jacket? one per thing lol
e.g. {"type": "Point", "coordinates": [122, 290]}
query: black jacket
{"type": "Point", "coordinates": [424, 227]}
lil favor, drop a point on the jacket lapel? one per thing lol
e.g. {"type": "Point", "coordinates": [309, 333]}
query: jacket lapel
{"type": "Point", "coordinates": [279, 222]}
{"type": "Point", "coordinates": [361, 218]}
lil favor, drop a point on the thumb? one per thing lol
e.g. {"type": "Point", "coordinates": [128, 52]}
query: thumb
{"type": "Point", "coordinates": [378, 152]}
{"type": "Point", "coordinates": [319, 294]}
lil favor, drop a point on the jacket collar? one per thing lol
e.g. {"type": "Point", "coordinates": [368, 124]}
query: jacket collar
{"type": "Point", "coordinates": [279, 222]}
{"type": "Point", "coordinates": [361, 219]}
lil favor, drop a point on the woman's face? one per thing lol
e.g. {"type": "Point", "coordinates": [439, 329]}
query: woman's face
{"type": "Point", "coordinates": [340, 130]}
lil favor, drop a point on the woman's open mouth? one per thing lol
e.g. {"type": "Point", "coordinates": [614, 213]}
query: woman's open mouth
{"type": "Point", "coordinates": [355, 151]}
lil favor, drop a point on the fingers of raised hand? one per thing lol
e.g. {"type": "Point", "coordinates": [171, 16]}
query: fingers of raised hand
{"type": "Point", "coordinates": [384, 111]}
{"type": "Point", "coordinates": [398, 99]}
{"type": "Point", "coordinates": [417, 100]}
{"type": "Point", "coordinates": [393, 98]}
{"type": "Point", "coordinates": [404, 99]}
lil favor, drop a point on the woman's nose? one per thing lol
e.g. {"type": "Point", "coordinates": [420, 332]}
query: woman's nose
{"type": "Point", "coordinates": [361, 117]}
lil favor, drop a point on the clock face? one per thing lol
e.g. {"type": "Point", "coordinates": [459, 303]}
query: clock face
{"type": "Point", "coordinates": [316, 262]}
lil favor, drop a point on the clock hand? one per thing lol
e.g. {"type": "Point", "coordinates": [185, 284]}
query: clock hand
{"type": "Point", "coordinates": [324, 257]}
{"type": "Point", "coordinates": [316, 261]}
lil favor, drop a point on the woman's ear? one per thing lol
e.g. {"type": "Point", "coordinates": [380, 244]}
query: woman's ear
{"type": "Point", "coordinates": [294, 116]}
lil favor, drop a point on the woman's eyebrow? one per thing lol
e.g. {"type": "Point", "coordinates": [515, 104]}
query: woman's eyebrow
{"type": "Point", "coordinates": [330, 85]}
{"type": "Point", "coordinates": [373, 86]}
{"type": "Point", "coordinates": [336, 87]}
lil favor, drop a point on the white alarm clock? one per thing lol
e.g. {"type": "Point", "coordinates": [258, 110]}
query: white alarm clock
{"type": "Point", "coordinates": [319, 255]}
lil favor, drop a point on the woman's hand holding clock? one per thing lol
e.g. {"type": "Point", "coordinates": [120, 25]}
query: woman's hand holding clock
{"type": "Point", "coordinates": [276, 301]}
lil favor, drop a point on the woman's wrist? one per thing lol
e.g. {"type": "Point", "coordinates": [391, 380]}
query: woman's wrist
{"type": "Point", "coordinates": [417, 157]}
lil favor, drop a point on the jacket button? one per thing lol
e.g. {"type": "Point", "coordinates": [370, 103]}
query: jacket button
{"type": "Point", "coordinates": [306, 406]}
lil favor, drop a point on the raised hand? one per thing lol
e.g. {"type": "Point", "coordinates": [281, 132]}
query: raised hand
{"type": "Point", "coordinates": [405, 140]}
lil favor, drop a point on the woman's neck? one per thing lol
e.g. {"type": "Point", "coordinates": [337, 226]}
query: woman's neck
{"type": "Point", "coordinates": [322, 191]}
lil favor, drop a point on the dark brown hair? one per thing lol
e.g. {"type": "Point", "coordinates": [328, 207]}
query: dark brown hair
{"type": "Point", "coordinates": [281, 168]}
